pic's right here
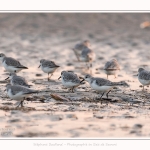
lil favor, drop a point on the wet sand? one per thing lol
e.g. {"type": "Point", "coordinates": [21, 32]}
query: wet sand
{"type": "Point", "coordinates": [31, 37]}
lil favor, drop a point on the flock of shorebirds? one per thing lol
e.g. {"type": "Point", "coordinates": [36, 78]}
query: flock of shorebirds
{"type": "Point", "coordinates": [19, 89]}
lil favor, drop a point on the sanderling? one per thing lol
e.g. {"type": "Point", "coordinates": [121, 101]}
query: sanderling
{"type": "Point", "coordinates": [87, 55]}
{"type": "Point", "coordinates": [70, 80]}
{"type": "Point", "coordinates": [144, 77]}
{"type": "Point", "coordinates": [79, 47]}
{"type": "Point", "coordinates": [48, 67]}
{"type": "Point", "coordinates": [112, 67]}
{"type": "Point", "coordinates": [11, 64]}
{"type": "Point", "coordinates": [17, 80]}
{"type": "Point", "coordinates": [19, 93]}
{"type": "Point", "coordinates": [101, 85]}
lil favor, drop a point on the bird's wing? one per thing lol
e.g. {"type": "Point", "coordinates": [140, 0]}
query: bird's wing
{"type": "Point", "coordinates": [17, 89]}
{"type": "Point", "coordinates": [101, 81]}
{"type": "Point", "coordinates": [11, 61]}
{"type": "Point", "coordinates": [49, 64]}
{"type": "Point", "coordinates": [20, 81]}
{"type": "Point", "coordinates": [71, 77]}
{"type": "Point", "coordinates": [144, 75]}
{"type": "Point", "coordinates": [112, 65]}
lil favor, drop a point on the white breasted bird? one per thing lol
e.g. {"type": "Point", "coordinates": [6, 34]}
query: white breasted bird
{"type": "Point", "coordinates": [144, 77]}
{"type": "Point", "coordinates": [79, 47]}
{"type": "Point", "coordinates": [101, 85]}
{"type": "Point", "coordinates": [17, 80]}
{"type": "Point", "coordinates": [48, 67]}
{"type": "Point", "coordinates": [70, 80]}
{"type": "Point", "coordinates": [10, 64]}
{"type": "Point", "coordinates": [19, 93]}
{"type": "Point", "coordinates": [88, 56]}
{"type": "Point", "coordinates": [112, 67]}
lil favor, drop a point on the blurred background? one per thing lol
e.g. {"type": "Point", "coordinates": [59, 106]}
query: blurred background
{"type": "Point", "coordinates": [35, 36]}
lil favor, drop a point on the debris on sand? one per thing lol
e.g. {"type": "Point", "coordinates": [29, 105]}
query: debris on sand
{"type": "Point", "coordinates": [72, 116]}
{"type": "Point", "coordinates": [58, 97]}
{"type": "Point", "coordinates": [98, 116]}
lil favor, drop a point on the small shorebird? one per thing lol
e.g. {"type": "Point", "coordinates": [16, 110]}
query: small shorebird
{"type": "Point", "coordinates": [101, 85]}
{"type": "Point", "coordinates": [10, 64]}
{"type": "Point", "coordinates": [112, 67]}
{"type": "Point", "coordinates": [144, 77]}
{"type": "Point", "coordinates": [70, 80]}
{"type": "Point", "coordinates": [87, 56]}
{"type": "Point", "coordinates": [48, 67]}
{"type": "Point", "coordinates": [79, 47]}
{"type": "Point", "coordinates": [17, 80]}
{"type": "Point", "coordinates": [19, 93]}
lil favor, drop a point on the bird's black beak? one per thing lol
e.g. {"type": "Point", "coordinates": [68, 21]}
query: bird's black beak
{"type": "Point", "coordinates": [4, 90]}
{"type": "Point", "coordinates": [59, 77]}
{"type": "Point", "coordinates": [82, 79]}
{"type": "Point", "coordinates": [7, 78]}
{"type": "Point", "coordinates": [39, 66]}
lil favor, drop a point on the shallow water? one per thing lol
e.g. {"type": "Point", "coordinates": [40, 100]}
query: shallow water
{"type": "Point", "coordinates": [31, 37]}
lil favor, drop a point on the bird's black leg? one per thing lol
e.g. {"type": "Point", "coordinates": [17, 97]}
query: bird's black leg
{"type": "Point", "coordinates": [101, 97]}
{"type": "Point", "coordinates": [19, 104]}
{"type": "Point", "coordinates": [22, 103]}
{"type": "Point", "coordinates": [48, 76]}
{"type": "Point", "coordinates": [91, 65]}
{"type": "Point", "coordinates": [143, 87]}
{"type": "Point", "coordinates": [76, 55]}
{"type": "Point", "coordinates": [51, 76]}
{"type": "Point", "coordinates": [107, 93]}
{"type": "Point", "coordinates": [72, 89]}
{"type": "Point", "coordinates": [91, 68]}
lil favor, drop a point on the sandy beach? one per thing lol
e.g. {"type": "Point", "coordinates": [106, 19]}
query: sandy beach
{"type": "Point", "coordinates": [32, 37]}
